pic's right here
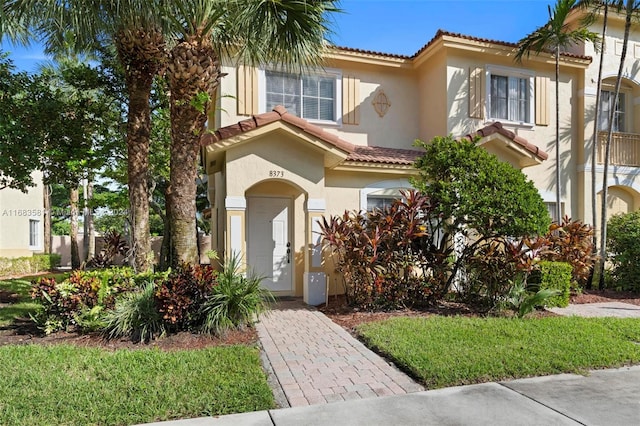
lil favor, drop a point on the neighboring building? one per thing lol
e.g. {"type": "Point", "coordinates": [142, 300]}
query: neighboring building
{"type": "Point", "coordinates": [22, 220]}
{"type": "Point", "coordinates": [344, 138]}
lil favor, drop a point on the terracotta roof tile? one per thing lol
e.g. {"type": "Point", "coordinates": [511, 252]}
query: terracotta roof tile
{"type": "Point", "coordinates": [497, 127]}
{"type": "Point", "coordinates": [379, 154]}
{"type": "Point", "coordinates": [369, 154]}
{"type": "Point", "coordinates": [443, 33]}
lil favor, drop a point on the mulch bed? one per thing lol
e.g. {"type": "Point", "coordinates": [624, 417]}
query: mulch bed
{"type": "Point", "coordinates": [349, 317]}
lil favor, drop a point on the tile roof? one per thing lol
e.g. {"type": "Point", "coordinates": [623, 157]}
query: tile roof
{"type": "Point", "coordinates": [365, 154]}
{"type": "Point", "coordinates": [379, 154]}
{"type": "Point", "coordinates": [443, 33]}
{"type": "Point", "coordinates": [497, 127]}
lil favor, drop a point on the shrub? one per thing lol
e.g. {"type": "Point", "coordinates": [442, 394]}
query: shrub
{"type": "Point", "coordinates": [135, 315]}
{"type": "Point", "coordinates": [114, 245]}
{"type": "Point", "coordinates": [72, 301]}
{"type": "Point", "coordinates": [524, 301]}
{"type": "Point", "coordinates": [236, 300]}
{"type": "Point", "coordinates": [180, 296]}
{"type": "Point", "coordinates": [623, 240]}
{"type": "Point", "coordinates": [496, 265]}
{"type": "Point", "coordinates": [555, 276]}
{"type": "Point", "coordinates": [28, 265]}
{"type": "Point", "coordinates": [385, 255]}
{"type": "Point", "coordinates": [572, 242]}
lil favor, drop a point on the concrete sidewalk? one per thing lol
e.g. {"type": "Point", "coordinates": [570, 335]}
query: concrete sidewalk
{"type": "Point", "coordinates": [604, 397]}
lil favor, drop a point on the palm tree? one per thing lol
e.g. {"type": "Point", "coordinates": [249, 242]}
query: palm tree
{"type": "Point", "coordinates": [631, 9]}
{"type": "Point", "coordinates": [256, 32]}
{"type": "Point", "coordinates": [597, 6]}
{"type": "Point", "coordinates": [132, 26]}
{"type": "Point", "coordinates": [555, 36]}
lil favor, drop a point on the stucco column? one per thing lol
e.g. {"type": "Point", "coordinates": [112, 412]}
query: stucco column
{"type": "Point", "coordinates": [315, 279]}
{"type": "Point", "coordinates": [235, 241]}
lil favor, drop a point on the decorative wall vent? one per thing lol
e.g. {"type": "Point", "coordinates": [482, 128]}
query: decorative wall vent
{"type": "Point", "coordinates": [381, 103]}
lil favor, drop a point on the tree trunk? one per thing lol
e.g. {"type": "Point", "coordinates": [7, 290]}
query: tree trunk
{"type": "Point", "coordinates": [558, 192]}
{"type": "Point", "coordinates": [594, 148]}
{"type": "Point", "coordinates": [47, 218]}
{"type": "Point", "coordinates": [607, 149]}
{"type": "Point", "coordinates": [75, 255]}
{"type": "Point", "coordinates": [188, 118]}
{"type": "Point", "coordinates": [141, 52]}
{"type": "Point", "coordinates": [90, 230]}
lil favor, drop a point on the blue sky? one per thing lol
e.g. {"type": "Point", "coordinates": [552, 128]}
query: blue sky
{"type": "Point", "coordinates": [401, 26]}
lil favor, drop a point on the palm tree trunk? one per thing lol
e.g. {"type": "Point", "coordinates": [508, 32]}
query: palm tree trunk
{"type": "Point", "coordinates": [75, 255]}
{"type": "Point", "coordinates": [558, 192]}
{"type": "Point", "coordinates": [193, 71]}
{"type": "Point", "coordinates": [594, 146]}
{"type": "Point", "coordinates": [47, 218]}
{"type": "Point", "coordinates": [141, 53]}
{"type": "Point", "coordinates": [607, 150]}
{"type": "Point", "coordinates": [138, 130]}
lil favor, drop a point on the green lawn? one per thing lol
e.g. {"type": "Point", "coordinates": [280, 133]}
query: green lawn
{"type": "Point", "coordinates": [53, 385]}
{"type": "Point", "coordinates": [449, 351]}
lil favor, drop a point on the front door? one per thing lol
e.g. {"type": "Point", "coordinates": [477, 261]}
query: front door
{"type": "Point", "coordinates": [269, 248]}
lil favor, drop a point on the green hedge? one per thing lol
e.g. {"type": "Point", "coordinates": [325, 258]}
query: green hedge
{"type": "Point", "coordinates": [28, 265]}
{"type": "Point", "coordinates": [623, 239]}
{"type": "Point", "coordinates": [556, 276]}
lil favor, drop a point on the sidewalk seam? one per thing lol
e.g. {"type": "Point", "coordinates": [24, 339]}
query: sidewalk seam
{"type": "Point", "coordinates": [541, 403]}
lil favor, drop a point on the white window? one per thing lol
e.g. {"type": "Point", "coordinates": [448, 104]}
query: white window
{"type": "Point", "coordinates": [380, 202]}
{"type": "Point", "coordinates": [314, 97]}
{"type": "Point", "coordinates": [551, 209]}
{"type": "Point", "coordinates": [607, 104]}
{"type": "Point", "coordinates": [510, 94]}
{"type": "Point", "coordinates": [34, 233]}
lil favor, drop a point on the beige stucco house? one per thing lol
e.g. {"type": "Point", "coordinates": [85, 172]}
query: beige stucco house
{"type": "Point", "coordinates": [290, 149]}
{"type": "Point", "coordinates": [22, 220]}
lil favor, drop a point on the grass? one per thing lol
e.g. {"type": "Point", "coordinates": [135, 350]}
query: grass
{"type": "Point", "coordinates": [59, 384]}
{"type": "Point", "coordinates": [450, 351]}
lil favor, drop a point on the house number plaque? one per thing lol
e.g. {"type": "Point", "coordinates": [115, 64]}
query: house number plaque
{"type": "Point", "coordinates": [276, 173]}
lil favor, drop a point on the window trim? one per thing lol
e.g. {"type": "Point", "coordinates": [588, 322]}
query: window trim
{"type": "Point", "coordinates": [334, 73]}
{"type": "Point", "coordinates": [511, 72]}
{"type": "Point", "coordinates": [39, 236]}
{"type": "Point", "coordinates": [627, 106]}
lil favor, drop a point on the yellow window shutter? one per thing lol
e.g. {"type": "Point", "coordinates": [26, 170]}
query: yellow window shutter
{"type": "Point", "coordinates": [542, 101]}
{"type": "Point", "coordinates": [350, 100]}
{"type": "Point", "coordinates": [247, 90]}
{"type": "Point", "coordinates": [476, 92]}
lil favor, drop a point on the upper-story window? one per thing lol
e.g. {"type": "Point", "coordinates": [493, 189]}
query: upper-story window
{"type": "Point", "coordinates": [313, 97]}
{"type": "Point", "coordinates": [607, 104]}
{"type": "Point", "coordinates": [510, 95]}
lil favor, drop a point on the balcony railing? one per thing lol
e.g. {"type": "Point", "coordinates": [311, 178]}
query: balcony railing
{"type": "Point", "coordinates": [625, 149]}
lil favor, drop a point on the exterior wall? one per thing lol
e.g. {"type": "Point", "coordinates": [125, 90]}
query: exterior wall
{"type": "Point", "coordinates": [432, 91]}
{"type": "Point", "coordinates": [16, 210]}
{"type": "Point", "coordinates": [398, 128]}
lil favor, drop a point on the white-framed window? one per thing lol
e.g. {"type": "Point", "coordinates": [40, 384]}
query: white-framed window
{"type": "Point", "coordinates": [315, 96]}
{"type": "Point", "coordinates": [607, 104]}
{"type": "Point", "coordinates": [551, 209]}
{"type": "Point", "coordinates": [34, 234]}
{"type": "Point", "coordinates": [510, 94]}
{"type": "Point", "coordinates": [380, 202]}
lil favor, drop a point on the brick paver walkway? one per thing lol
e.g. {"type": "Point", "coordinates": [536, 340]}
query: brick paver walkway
{"type": "Point", "coordinates": [316, 361]}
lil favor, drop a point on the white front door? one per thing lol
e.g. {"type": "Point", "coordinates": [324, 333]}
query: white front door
{"type": "Point", "coordinates": [269, 250]}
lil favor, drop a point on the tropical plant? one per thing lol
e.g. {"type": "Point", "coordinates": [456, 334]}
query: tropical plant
{"type": "Point", "coordinates": [624, 242]}
{"type": "Point", "coordinates": [287, 33]}
{"type": "Point", "coordinates": [136, 315]}
{"type": "Point", "coordinates": [571, 242]}
{"type": "Point", "coordinates": [236, 301]}
{"type": "Point", "coordinates": [524, 301]}
{"type": "Point", "coordinates": [180, 296]}
{"type": "Point", "coordinates": [555, 36]}
{"type": "Point", "coordinates": [476, 197]}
